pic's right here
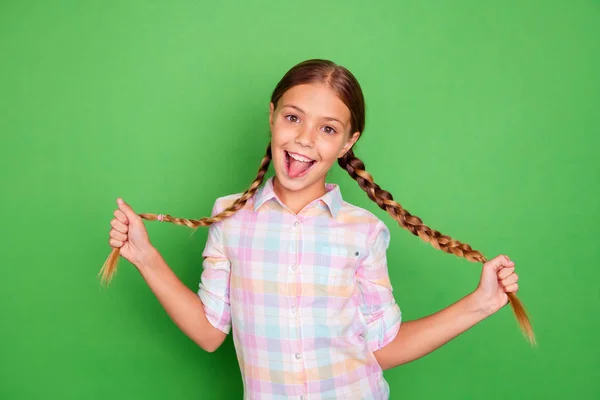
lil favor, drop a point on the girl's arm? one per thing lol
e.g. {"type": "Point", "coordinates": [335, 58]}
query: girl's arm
{"type": "Point", "coordinates": [420, 337]}
{"type": "Point", "coordinates": [183, 305]}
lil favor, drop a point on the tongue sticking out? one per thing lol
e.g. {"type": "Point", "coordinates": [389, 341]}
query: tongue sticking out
{"type": "Point", "coordinates": [298, 167]}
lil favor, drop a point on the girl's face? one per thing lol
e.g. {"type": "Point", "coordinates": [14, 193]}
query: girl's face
{"type": "Point", "coordinates": [310, 130]}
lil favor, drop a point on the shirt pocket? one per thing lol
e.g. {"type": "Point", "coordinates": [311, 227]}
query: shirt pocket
{"type": "Point", "coordinates": [334, 268]}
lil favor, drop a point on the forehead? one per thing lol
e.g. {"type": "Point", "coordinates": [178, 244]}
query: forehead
{"type": "Point", "coordinates": [316, 100]}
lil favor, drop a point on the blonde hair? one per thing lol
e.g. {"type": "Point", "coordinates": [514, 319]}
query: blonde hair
{"type": "Point", "coordinates": [345, 85]}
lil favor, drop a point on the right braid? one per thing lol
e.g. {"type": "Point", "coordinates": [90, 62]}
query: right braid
{"type": "Point", "coordinates": [356, 169]}
{"type": "Point", "coordinates": [110, 265]}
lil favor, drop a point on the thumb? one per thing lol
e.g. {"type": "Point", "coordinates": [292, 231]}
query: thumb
{"type": "Point", "coordinates": [127, 210]}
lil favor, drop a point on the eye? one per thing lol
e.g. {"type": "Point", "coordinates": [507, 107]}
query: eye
{"type": "Point", "coordinates": [329, 130]}
{"type": "Point", "coordinates": [292, 118]}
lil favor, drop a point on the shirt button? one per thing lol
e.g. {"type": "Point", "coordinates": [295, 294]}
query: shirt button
{"type": "Point", "coordinates": [303, 397]}
{"type": "Point", "coordinates": [297, 356]}
{"type": "Point", "coordinates": [293, 310]}
{"type": "Point", "coordinates": [296, 223]}
{"type": "Point", "coordinates": [294, 266]}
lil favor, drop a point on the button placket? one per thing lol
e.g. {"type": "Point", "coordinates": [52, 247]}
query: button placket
{"type": "Point", "coordinates": [297, 357]}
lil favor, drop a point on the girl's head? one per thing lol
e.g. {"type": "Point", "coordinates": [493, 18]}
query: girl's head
{"type": "Point", "coordinates": [317, 113]}
{"type": "Point", "coordinates": [335, 77]}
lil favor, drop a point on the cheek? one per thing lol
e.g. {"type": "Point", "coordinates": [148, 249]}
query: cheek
{"type": "Point", "coordinates": [329, 151]}
{"type": "Point", "coordinates": [281, 134]}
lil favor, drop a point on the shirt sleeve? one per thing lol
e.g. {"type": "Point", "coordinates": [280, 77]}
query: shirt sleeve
{"type": "Point", "coordinates": [214, 281]}
{"type": "Point", "coordinates": [378, 306]}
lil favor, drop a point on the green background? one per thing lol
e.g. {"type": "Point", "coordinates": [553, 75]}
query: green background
{"type": "Point", "coordinates": [482, 118]}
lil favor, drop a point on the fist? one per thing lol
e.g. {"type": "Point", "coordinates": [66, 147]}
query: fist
{"type": "Point", "coordinates": [129, 234]}
{"type": "Point", "coordinates": [498, 278]}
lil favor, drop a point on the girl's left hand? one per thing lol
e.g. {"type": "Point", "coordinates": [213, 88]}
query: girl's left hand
{"type": "Point", "coordinates": [498, 278]}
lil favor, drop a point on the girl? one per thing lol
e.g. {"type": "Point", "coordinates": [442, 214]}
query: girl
{"type": "Point", "coordinates": [299, 274]}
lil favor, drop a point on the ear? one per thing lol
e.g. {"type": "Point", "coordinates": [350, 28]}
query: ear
{"type": "Point", "coordinates": [349, 143]}
{"type": "Point", "coordinates": [271, 110]}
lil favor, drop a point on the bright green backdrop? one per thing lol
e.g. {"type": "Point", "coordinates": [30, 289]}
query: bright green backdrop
{"type": "Point", "coordinates": [483, 119]}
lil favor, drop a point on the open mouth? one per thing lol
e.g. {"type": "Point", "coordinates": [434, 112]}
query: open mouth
{"type": "Point", "coordinates": [297, 165]}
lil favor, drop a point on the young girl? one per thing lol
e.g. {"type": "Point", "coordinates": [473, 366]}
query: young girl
{"type": "Point", "coordinates": [301, 275]}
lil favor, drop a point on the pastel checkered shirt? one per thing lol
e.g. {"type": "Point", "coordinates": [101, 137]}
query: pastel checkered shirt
{"type": "Point", "coordinates": [308, 296]}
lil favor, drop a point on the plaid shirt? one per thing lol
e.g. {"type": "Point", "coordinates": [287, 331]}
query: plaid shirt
{"type": "Point", "coordinates": [308, 296]}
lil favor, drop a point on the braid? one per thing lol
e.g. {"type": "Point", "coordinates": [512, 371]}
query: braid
{"type": "Point", "coordinates": [356, 169]}
{"type": "Point", "coordinates": [110, 266]}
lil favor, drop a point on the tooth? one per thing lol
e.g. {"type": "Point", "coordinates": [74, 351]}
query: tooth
{"type": "Point", "coordinates": [300, 158]}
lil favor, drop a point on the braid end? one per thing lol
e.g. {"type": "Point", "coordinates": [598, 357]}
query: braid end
{"type": "Point", "coordinates": [109, 268]}
{"type": "Point", "coordinates": [522, 318]}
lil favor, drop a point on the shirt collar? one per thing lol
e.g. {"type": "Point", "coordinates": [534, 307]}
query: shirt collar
{"type": "Point", "coordinates": [332, 199]}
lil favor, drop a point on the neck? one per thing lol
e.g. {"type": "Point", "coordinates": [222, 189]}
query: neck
{"type": "Point", "coordinates": [296, 200]}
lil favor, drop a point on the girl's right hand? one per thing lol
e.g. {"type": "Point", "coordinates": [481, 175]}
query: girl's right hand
{"type": "Point", "coordinates": [129, 234]}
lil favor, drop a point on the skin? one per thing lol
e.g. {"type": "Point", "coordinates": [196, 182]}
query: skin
{"type": "Point", "coordinates": [306, 130]}
{"type": "Point", "coordinates": [301, 124]}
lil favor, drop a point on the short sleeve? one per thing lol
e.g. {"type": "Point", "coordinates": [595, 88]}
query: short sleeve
{"type": "Point", "coordinates": [382, 314]}
{"type": "Point", "coordinates": [214, 281]}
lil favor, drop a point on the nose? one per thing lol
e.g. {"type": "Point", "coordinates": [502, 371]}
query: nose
{"type": "Point", "coordinates": [306, 138]}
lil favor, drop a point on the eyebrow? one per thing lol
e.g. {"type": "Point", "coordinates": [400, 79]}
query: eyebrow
{"type": "Point", "coordinates": [326, 118]}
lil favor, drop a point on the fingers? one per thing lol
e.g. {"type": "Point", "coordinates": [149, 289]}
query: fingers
{"type": "Point", "coordinates": [115, 243]}
{"type": "Point", "coordinates": [120, 215]}
{"type": "Point", "coordinates": [119, 226]}
{"type": "Point", "coordinates": [505, 272]}
{"type": "Point", "coordinates": [513, 278]}
{"type": "Point", "coordinates": [118, 233]}
{"type": "Point", "coordinates": [499, 262]}
{"type": "Point", "coordinates": [504, 268]}
{"type": "Point", "coordinates": [114, 234]}
{"type": "Point", "coordinates": [509, 279]}
{"type": "Point", "coordinates": [512, 288]}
